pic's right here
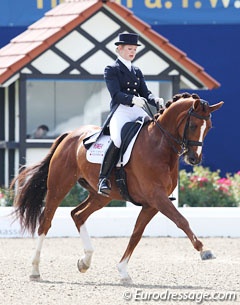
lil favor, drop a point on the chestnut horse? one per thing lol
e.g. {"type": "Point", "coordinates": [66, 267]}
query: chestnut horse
{"type": "Point", "coordinates": [152, 174]}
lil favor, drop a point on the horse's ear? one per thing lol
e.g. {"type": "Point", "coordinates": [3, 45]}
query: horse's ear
{"type": "Point", "coordinates": [216, 106]}
{"type": "Point", "coordinates": [196, 103]}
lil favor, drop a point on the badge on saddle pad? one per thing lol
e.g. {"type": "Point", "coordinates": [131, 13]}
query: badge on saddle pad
{"type": "Point", "coordinates": [130, 132]}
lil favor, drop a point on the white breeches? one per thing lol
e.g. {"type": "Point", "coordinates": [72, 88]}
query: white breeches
{"type": "Point", "coordinates": [122, 115]}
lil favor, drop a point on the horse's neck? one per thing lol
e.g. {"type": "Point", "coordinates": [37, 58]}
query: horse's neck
{"type": "Point", "coordinates": [157, 147]}
{"type": "Point", "coordinates": [171, 116]}
{"type": "Point", "coordinates": [168, 121]}
{"type": "Point", "coordinates": [159, 138]}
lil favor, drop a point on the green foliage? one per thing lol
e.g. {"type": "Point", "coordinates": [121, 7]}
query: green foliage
{"type": "Point", "coordinates": [199, 188]}
{"type": "Point", "coordinates": [76, 195]}
{"type": "Point", "coordinates": [117, 203]}
{"type": "Point", "coordinates": [203, 188]}
{"type": "Point", "coordinates": [6, 197]}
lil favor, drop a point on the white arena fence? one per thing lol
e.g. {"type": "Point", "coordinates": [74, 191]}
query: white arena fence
{"type": "Point", "coordinates": [119, 222]}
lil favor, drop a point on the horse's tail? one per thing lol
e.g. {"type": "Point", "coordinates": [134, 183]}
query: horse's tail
{"type": "Point", "coordinates": [31, 190]}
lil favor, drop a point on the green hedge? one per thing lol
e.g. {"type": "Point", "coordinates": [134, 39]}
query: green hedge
{"type": "Point", "coordinates": [72, 199]}
{"type": "Point", "coordinates": [78, 194]}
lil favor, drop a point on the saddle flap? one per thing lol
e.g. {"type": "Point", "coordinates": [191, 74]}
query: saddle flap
{"type": "Point", "coordinates": [98, 148]}
{"type": "Point", "coordinates": [129, 130]}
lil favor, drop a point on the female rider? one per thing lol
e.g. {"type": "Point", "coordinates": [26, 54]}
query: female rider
{"type": "Point", "coordinates": [129, 92]}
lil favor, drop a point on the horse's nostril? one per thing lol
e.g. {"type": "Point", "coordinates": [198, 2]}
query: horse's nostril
{"type": "Point", "coordinates": [194, 160]}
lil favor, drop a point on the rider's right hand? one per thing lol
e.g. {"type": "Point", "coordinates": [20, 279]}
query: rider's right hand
{"type": "Point", "coordinates": [138, 101]}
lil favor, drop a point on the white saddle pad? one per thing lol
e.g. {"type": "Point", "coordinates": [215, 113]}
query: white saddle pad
{"type": "Point", "coordinates": [97, 151]}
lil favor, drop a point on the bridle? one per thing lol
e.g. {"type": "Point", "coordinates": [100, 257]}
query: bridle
{"type": "Point", "coordinates": [184, 143]}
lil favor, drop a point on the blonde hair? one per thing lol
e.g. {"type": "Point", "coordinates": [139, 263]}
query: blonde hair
{"type": "Point", "coordinates": [118, 47]}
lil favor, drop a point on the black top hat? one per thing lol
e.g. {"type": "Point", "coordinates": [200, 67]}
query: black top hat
{"type": "Point", "coordinates": [131, 39]}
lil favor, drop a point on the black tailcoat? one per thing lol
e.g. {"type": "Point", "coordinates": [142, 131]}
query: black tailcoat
{"type": "Point", "coordinates": [124, 84]}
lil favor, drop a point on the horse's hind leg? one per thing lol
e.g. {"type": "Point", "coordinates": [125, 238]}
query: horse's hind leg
{"type": "Point", "coordinates": [35, 276]}
{"type": "Point", "coordinates": [80, 214]}
{"type": "Point", "coordinates": [58, 187]}
{"type": "Point", "coordinates": [85, 261]}
{"type": "Point", "coordinates": [52, 202]}
{"type": "Point", "coordinates": [143, 219]}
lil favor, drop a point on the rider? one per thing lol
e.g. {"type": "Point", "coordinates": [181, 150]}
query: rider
{"type": "Point", "coordinates": [129, 92]}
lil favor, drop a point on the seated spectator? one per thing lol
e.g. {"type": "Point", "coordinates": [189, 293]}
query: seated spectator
{"type": "Point", "coordinates": [40, 132]}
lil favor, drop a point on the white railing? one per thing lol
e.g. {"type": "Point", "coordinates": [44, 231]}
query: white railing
{"type": "Point", "coordinates": [119, 221]}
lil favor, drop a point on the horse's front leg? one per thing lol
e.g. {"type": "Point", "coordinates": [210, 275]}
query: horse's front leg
{"type": "Point", "coordinates": [167, 208]}
{"type": "Point", "coordinates": [143, 219]}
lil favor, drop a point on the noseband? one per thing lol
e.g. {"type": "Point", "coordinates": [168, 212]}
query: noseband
{"type": "Point", "coordinates": [184, 142]}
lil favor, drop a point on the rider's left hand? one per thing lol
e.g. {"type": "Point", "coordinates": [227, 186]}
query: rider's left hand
{"type": "Point", "coordinates": [160, 101]}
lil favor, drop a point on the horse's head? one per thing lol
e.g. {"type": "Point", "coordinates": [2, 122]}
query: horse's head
{"type": "Point", "coordinates": [193, 121]}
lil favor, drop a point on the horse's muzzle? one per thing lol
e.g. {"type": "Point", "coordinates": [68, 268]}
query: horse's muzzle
{"type": "Point", "coordinates": [192, 158]}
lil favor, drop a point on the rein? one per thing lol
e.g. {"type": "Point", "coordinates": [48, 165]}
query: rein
{"type": "Point", "coordinates": [184, 143]}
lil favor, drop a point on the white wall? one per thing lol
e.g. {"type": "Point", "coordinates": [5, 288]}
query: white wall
{"type": "Point", "coordinates": [205, 222]}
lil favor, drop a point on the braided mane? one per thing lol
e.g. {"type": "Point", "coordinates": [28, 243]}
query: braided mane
{"type": "Point", "coordinates": [176, 97]}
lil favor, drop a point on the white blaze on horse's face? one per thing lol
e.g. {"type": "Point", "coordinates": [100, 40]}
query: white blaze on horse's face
{"type": "Point", "coordinates": [202, 130]}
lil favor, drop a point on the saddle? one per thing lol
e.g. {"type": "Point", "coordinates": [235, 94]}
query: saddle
{"type": "Point", "coordinates": [97, 144]}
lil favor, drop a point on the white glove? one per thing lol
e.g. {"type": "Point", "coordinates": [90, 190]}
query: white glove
{"type": "Point", "coordinates": [160, 101]}
{"type": "Point", "coordinates": [138, 101]}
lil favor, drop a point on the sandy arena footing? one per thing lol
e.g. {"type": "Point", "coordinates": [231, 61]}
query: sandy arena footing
{"type": "Point", "coordinates": [163, 270]}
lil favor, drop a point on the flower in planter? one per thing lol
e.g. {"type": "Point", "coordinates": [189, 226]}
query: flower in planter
{"type": "Point", "coordinates": [203, 188]}
{"type": "Point", "coordinates": [224, 185]}
{"type": "Point", "coordinates": [2, 199]}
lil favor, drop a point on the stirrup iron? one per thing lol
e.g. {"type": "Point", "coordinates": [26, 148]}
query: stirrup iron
{"type": "Point", "coordinates": [104, 187]}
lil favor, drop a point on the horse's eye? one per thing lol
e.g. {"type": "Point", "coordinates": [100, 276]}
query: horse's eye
{"type": "Point", "coordinates": [192, 127]}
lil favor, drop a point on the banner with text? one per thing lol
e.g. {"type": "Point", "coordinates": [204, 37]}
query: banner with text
{"type": "Point", "coordinates": [154, 12]}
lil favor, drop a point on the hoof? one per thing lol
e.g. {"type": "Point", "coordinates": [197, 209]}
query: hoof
{"type": "Point", "coordinates": [207, 254]}
{"type": "Point", "coordinates": [35, 278]}
{"type": "Point", "coordinates": [126, 281]}
{"type": "Point", "coordinates": [82, 267]}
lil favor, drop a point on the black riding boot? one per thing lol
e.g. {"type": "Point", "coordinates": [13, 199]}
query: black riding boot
{"type": "Point", "coordinates": [109, 161]}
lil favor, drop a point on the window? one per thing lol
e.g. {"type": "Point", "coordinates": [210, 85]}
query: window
{"type": "Point", "coordinates": [64, 105]}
